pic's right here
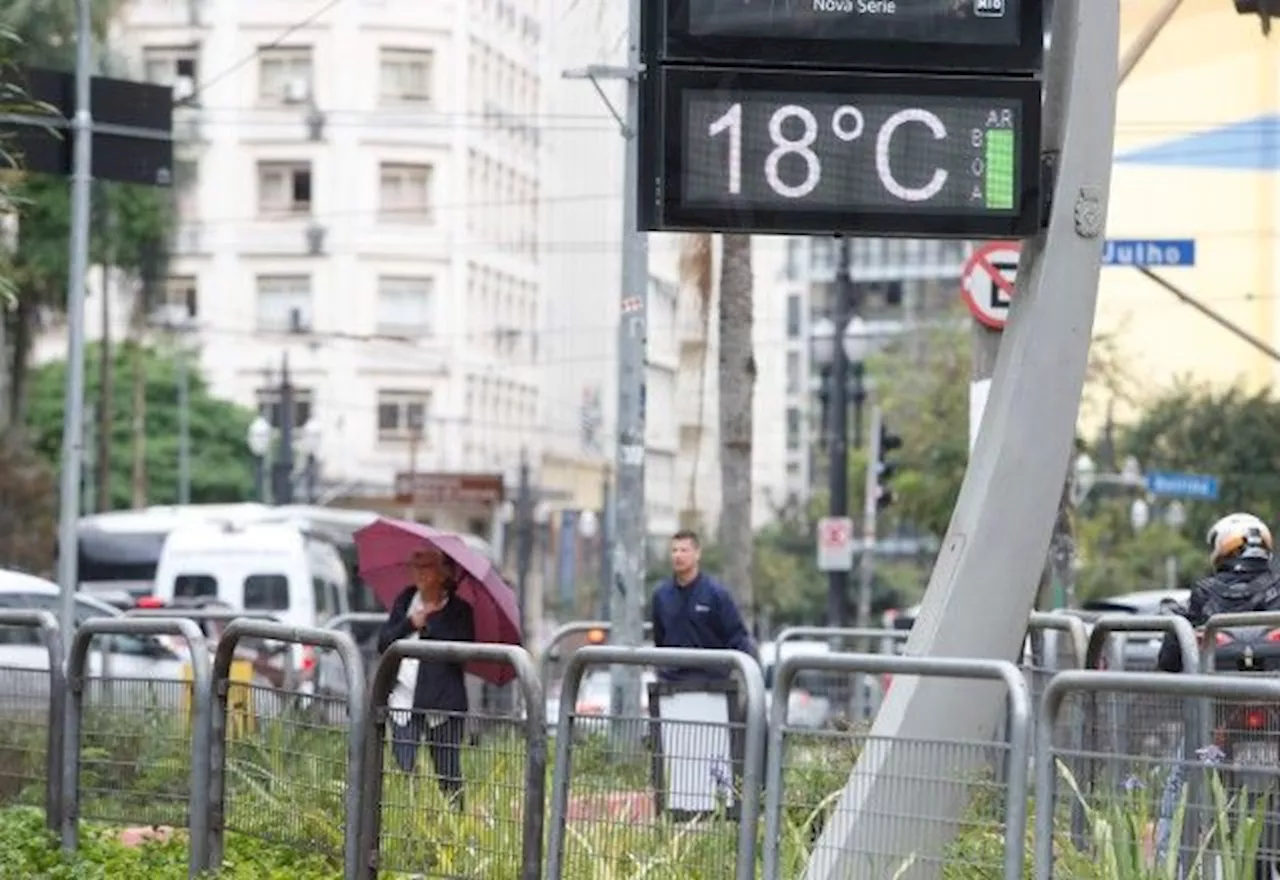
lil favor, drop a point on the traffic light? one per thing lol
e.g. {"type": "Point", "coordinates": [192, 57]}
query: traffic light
{"type": "Point", "coordinates": [1264, 9]}
{"type": "Point", "coordinates": [885, 443]}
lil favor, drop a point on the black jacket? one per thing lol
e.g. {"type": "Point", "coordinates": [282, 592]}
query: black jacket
{"type": "Point", "coordinates": [1244, 586]}
{"type": "Point", "coordinates": [441, 686]}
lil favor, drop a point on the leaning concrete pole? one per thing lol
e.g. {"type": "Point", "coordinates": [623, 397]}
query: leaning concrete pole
{"type": "Point", "coordinates": [906, 795]}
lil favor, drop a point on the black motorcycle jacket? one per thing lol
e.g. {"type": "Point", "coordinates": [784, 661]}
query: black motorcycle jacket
{"type": "Point", "coordinates": [1240, 586]}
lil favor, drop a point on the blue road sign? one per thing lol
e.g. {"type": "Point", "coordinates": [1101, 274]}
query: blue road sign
{"type": "Point", "coordinates": [1200, 486]}
{"type": "Point", "coordinates": [1149, 253]}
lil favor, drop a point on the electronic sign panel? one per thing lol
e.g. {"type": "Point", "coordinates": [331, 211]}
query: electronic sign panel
{"type": "Point", "coordinates": [798, 152]}
{"type": "Point", "coordinates": [997, 36]}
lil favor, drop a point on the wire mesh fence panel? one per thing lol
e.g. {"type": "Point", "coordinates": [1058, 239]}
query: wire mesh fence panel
{"type": "Point", "coordinates": [24, 731]}
{"type": "Point", "coordinates": [1204, 808]}
{"type": "Point", "coordinates": [652, 796]}
{"type": "Point", "coordinates": [286, 767]}
{"type": "Point", "coordinates": [817, 767]}
{"type": "Point", "coordinates": [452, 795]}
{"type": "Point", "coordinates": [135, 750]}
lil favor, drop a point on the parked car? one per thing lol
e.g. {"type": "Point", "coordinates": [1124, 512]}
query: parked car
{"type": "Point", "coordinates": [594, 697]}
{"type": "Point", "coordinates": [1140, 650]}
{"type": "Point", "coordinates": [142, 659]}
{"type": "Point", "coordinates": [809, 702]}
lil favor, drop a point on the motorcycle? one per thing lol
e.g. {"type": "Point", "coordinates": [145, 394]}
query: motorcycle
{"type": "Point", "coordinates": [1249, 735]}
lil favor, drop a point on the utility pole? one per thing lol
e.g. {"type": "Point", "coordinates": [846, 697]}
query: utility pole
{"type": "Point", "coordinates": [415, 437]}
{"type": "Point", "coordinates": [184, 418]}
{"type": "Point", "coordinates": [628, 565]}
{"type": "Point", "coordinates": [524, 538]}
{"type": "Point", "coordinates": [90, 503]}
{"type": "Point", "coordinates": [105, 397]}
{"type": "Point", "coordinates": [606, 539]}
{"type": "Point", "coordinates": [283, 493]}
{"type": "Point", "coordinates": [73, 402]}
{"type": "Point", "coordinates": [867, 560]}
{"type": "Point", "coordinates": [838, 438]}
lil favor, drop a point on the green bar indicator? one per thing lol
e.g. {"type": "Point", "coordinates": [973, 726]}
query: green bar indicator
{"type": "Point", "coordinates": [1000, 169]}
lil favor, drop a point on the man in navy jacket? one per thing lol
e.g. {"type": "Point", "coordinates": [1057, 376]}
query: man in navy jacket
{"type": "Point", "coordinates": [693, 610]}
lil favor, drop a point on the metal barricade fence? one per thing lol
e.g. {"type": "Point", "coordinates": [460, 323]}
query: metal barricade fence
{"type": "Point", "coordinates": [32, 728]}
{"type": "Point", "coordinates": [1139, 820]}
{"type": "Point", "coordinates": [213, 622]}
{"type": "Point", "coordinates": [819, 772]}
{"type": "Point", "coordinates": [296, 773]}
{"type": "Point", "coordinates": [704, 760]}
{"type": "Point", "coordinates": [478, 811]}
{"type": "Point", "coordinates": [355, 620]}
{"type": "Point", "coordinates": [828, 699]}
{"type": "Point", "coordinates": [1147, 723]}
{"type": "Point", "coordinates": [554, 655]}
{"type": "Point", "coordinates": [153, 741]}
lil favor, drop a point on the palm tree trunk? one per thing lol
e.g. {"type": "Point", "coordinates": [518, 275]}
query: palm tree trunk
{"type": "Point", "coordinates": [737, 378]}
{"type": "Point", "coordinates": [696, 274]}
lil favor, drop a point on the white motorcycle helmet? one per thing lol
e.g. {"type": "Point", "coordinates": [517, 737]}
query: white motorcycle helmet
{"type": "Point", "coordinates": [1239, 536]}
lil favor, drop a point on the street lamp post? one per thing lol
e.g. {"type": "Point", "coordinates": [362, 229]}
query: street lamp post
{"type": "Point", "coordinates": [1174, 515]}
{"type": "Point", "coordinates": [259, 442]}
{"type": "Point", "coordinates": [1084, 478]}
{"type": "Point", "coordinates": [838, 364]}
{"type": "Point", "coordinates": [309, 446]}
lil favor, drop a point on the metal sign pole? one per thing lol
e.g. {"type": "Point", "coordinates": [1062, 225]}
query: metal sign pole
{"type": "Point", "coordinates": [73, 402]}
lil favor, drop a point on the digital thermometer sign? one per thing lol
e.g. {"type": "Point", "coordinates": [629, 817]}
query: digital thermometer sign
{"type": "Point", "coordinates": [1005, 36]}
{"type": "Point", "coordinates": [858, 153]}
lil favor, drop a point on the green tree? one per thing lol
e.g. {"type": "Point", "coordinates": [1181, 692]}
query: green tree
{"type": "Point", "coordinates": [1228, 433]}
{"type": "Point", "coordinates": [221, 468]}
{"type": "Point", "coordinates": [1113, 558]}
{"type": "Point", "coordinates": [923, 389]}
{"type": "Point", "coordinates": [131, 226]}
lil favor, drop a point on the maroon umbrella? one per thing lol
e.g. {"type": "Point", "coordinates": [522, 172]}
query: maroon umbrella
{"type": "Point", "coordinates": [384, 548]}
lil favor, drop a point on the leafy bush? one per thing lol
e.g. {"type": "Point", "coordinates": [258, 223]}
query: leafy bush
{"type": "Point", "coordinates": [284, 813]}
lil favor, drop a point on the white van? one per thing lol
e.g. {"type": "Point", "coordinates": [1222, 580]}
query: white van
{"type": "Point", "coordinates": [272, 567]}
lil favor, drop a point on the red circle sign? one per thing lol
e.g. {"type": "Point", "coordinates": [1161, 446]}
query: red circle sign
{"type": "Point", "coordinates": [987, 282]}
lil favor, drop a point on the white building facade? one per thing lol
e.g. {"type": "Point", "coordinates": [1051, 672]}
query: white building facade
{"type": "Point", "coordinates": [359, 191]}
{"type": "Point", "coordinates": [585, 154]}
{"type": "Point", "coordinates": [902, 285]}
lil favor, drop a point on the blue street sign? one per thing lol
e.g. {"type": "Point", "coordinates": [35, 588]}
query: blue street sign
{"type": "Point", "coordinates": [1149, 253]}
{"type": "Point", "coordinates": [1200, 486]}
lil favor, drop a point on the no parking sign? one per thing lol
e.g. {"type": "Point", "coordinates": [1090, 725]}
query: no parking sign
{"type": "Point", "coordinates": [987, 282]}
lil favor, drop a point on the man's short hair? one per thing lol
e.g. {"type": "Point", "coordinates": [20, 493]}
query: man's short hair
{"type": "Point", "coordinates": [687, 535]}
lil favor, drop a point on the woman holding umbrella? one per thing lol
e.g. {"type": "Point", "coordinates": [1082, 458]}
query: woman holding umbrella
{"type": "Point", "coordinates": [430, 609]}
{"type": "Point", "coordinates": [436, 588]}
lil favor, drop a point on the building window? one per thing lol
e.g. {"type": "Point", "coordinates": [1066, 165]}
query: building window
{"type": "Point", "coordinates": [269, 405]}
{"type": "Point", "coordinates": [404, 192]}
{"type": "Point", "coordinates": [404, 306]}
{"type": "Point", "coordinates": [793, 429]}
{"type": "Point", "coordinates": [793, 316]}
{"type": "Point", "coordinates": [284, 75]}
{"type": "Point", "coordinates": [402, 415]}
{"type": "Point", "coordinates": [284, 303]}
{"type": "Point", "coordinates": [284, 189]}
{"type": "Point", "coordinates": [174, 67]}
{"type": "Point", "coordinates": [179, 304]}
{"type": "Point", "coordinates": [405, 76]}
{"type": "Point", "coordinates": [793, 372]}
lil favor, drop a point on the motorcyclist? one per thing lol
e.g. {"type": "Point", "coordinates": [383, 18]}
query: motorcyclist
{"type": "Point", "coordinates": [1240, 550]}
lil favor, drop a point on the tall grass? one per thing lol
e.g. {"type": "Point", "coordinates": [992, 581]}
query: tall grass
{"type": "Point", "coordinates": [286, 785]}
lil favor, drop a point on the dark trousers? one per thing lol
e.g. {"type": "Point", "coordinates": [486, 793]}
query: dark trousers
{"type": "Point", "coordinates": [444, 742]}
